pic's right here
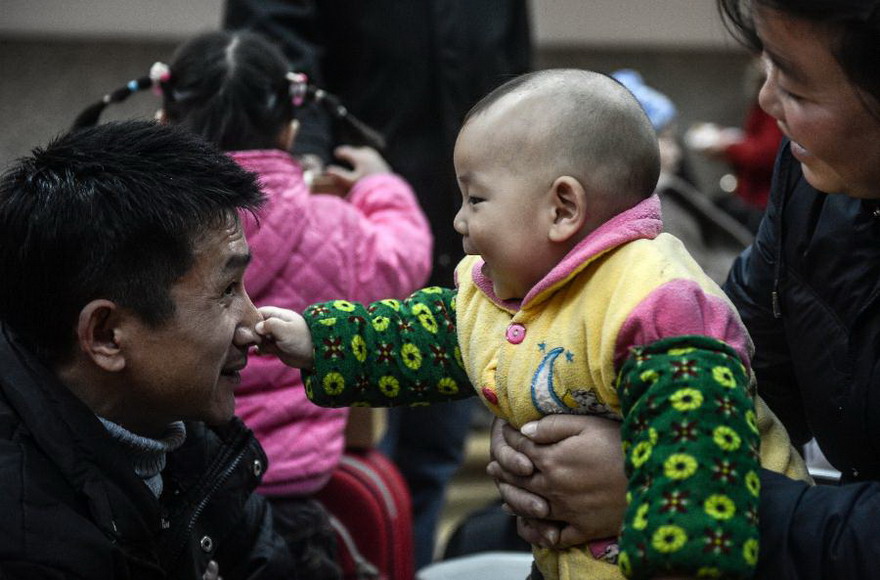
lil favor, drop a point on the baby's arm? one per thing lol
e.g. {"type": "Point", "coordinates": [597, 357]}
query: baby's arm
{"type": "Point", "coordinates": [691, 445]}
{"type": "Point", "coordinates": [392, 352]}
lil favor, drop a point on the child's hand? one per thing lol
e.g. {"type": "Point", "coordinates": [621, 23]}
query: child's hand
{"type": "Point", "coordinates": [286, 335]}
{"type": "Point", "coordinates": [364, 161]}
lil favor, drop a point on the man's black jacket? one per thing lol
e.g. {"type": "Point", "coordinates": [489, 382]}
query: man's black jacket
{"type": "Point", "coordinates": [808, 290]}
{"type": "Point", "coordinates": [71, 505]}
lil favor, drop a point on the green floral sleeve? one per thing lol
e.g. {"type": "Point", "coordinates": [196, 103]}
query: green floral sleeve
{"type": "Point", "coordinates": [691, 445]}
{"type": "Point", "coordinates": [390, 353]}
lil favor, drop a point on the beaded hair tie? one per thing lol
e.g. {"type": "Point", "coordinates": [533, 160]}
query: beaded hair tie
{"type": "Point", "coordinates": [160, 73]}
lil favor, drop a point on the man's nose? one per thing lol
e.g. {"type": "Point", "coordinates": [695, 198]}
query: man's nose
{"type": "Point", "coordinates": [245, 333]}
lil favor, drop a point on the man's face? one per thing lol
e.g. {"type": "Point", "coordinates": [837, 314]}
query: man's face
{"type": "Point", "coordinates": [188, 367]}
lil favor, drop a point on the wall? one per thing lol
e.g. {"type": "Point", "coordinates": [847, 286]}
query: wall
{"type": "Point", "coordinates": [57, 56]}
{"type": "Point", "coordinates": [679, 23]}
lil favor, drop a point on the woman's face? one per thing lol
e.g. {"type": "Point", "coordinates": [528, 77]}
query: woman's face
{"type": "Point", "coordinates": [834, 136]}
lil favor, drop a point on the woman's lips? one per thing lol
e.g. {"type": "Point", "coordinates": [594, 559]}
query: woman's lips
{"type": "Point", "coordinates": [799, 151]}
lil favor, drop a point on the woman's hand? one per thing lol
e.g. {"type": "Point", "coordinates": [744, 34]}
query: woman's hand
{"type": "Point", "coordinates": [564, 477]}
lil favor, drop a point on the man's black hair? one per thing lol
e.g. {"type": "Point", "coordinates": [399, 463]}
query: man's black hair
{"type": "Point", "coordinates": [108, 212]}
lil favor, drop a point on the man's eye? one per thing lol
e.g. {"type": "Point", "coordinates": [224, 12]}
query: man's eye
{"type": "Point", "coordinates": [231, 289]}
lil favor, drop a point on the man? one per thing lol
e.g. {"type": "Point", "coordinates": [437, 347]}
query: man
{"type": "Point", "coordinates": [123, 327]}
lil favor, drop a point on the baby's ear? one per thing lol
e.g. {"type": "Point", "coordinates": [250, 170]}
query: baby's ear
{"type": "Point", "coordinates": [570, 211]}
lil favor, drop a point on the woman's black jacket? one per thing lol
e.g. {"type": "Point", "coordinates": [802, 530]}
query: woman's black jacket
{"type": "Point", "coordinates": [808, 290]}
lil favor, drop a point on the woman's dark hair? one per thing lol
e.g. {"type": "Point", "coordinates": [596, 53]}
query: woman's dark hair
{"type": "Point", "coordinates": [855, 25]}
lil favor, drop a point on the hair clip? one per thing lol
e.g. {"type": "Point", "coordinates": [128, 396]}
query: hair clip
{"type": "Point", "coordinates": [299, 87]}
{"type": "Point", "coordinates": [159, 73]}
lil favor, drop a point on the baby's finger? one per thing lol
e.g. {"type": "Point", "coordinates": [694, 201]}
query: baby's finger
{"type": "Point", "coordinates": [275, 312]}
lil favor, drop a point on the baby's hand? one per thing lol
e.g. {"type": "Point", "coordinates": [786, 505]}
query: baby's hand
{"type": "Point", "coordinates": [286, 335]}
{"type": "Point", "coordinates": [364, 161]}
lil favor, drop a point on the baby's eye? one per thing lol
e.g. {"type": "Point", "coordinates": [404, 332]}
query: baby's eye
{"type": "Point", "coordinates": [474, 200]}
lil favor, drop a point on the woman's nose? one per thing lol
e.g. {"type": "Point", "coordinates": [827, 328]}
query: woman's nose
{"type": "Point", "coordinates": [768, 96]}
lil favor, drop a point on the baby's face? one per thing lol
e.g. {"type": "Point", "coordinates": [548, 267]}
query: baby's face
{"type": "Point", "coordinates": [506, 210]}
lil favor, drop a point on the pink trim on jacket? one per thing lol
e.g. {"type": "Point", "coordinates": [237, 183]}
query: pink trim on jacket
{"type": "Point", "coordinates": [677, 308]}
{"type": "Point", "coordinates": [682, 307]}
{"type": "Point", "coordinates": [642, 221]}
{"type": "Point", "coordinates": [311, 248]}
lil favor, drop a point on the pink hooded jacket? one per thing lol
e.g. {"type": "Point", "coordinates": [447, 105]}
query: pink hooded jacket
{"type": "Point", "coordinates": [310, 248]}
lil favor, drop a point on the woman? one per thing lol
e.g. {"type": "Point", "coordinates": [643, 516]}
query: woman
{"type": "Point", "coordinates": [808, 291]}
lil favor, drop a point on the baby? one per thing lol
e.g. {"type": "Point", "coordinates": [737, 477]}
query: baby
{"type": "Point", "coordinates": [572, 301]}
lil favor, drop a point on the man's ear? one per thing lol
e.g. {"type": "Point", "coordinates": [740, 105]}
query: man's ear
{"type": "Point", "coordinates": [161, 117]}
{"type": "Point", "coordinates": [97, 334]}
{"type": "Point", "coordinates": [569, 206]}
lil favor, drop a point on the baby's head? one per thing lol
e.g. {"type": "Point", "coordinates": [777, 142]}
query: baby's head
{"type": "Point", "coordinates": [542, 161]}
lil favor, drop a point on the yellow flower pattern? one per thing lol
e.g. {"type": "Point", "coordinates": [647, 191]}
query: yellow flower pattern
{"type": "Point", "coordinates": [447, 386]}
{"type": "Point", "coordinates": [640, 522]}
{"type": "Point", "coordinates": [359, 347]}
{"type": "Point", "coordinates": [687, 400]}
{"type": "Point", "coordinates": [753, 483]}
{"type": "Point", "coordinates": [641, 453]}
{"type": "Point", "coordinates": [669, 539]}
{"type": "Point", "coordinates": [724, 376]}
{"type": "Point", "coordinates": [343, 305]}
{"type": "Point", "coordinates": [726, 438]}
{"type": "Point", "coordinates": [750, 551]}
{"type": "Point", "coordinates": [680, 466]}
{"type": "Point", "coordinates": [333, 383]}
{"type": "Point", "coordinates": [411, 355]}
{"type": "Point", "coordinates": [720, 507]}
{"type": "Point", "coordinates": [389, 386]}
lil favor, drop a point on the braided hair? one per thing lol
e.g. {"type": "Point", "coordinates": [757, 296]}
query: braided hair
{"type": "Point", "coordinates": [232, 89]}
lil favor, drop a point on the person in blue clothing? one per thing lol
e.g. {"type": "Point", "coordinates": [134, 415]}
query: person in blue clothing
{"type": "Point", "coordinates": [808, 290]}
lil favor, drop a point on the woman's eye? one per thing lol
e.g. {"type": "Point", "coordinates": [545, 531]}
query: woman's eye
{"type": "Point", "coordinates": [789, 95]}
